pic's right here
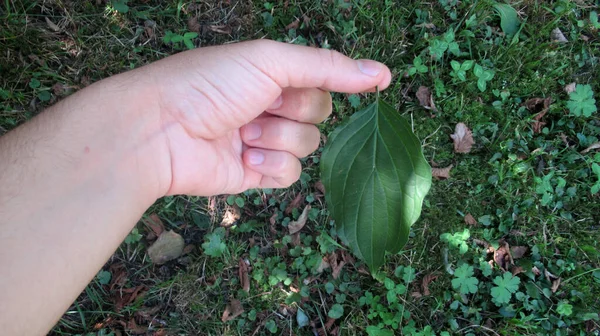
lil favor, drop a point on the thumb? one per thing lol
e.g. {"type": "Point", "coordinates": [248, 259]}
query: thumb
{"type": "Point", "coordinates": [305, 67]}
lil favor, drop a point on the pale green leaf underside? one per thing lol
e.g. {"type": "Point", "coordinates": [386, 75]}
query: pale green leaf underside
{"type": "Point", "coordinates": [509, 20]}
{"type": "Point", "coordinates": [375, 177]}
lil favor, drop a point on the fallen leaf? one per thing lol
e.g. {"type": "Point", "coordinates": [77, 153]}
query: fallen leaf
{"type": "Point", "coordinates": [517, 270]}
{"type": "Point", "coordinates": [52, 25]}
{"type": "Point", "coordinates": [168, 246]}
{"type": "Point", "coordinates": [189, 248]}
{"type": "Point", "coordinates": [221, 29]}
{"type": "Point", "coordinates": [293, 25]}
{"type": "Point", "coordinates": [441, 173]}
{"type": "Point", "coordinates": [133, 328]}
{"type": "Point", "coordinates": [470, 220]}
{"type": "Point", "coordinates": [536, 270]}
{"type": "Point", "coordinates": [124, 297]}
{"type": "Point", "coordinates": [119, 276]}
{"type": "Point", "coordinates": [273, 223]}
{"type": "Point", "coordinates": [193, 24]}
{"type": "Point", "coordinates": [518, 252]}
{"type": "Point", "coordinates": [425, 98]}
{"type": "Point", "coordinates": [154, 223]}
{"type": "Point", "coordinates": [320, 187]}
{"type": "Point", "coordinates": [570, 87]}
{"type": "Point", "coordinates": [232, 214]}
{"type": "Point", "coordinates": [426, 281]}
{"type": "Point", "coordinates": [463, 138]}
{"type": "Point", "coordinates": [243, 275]}
{"type": "Point", "coordinates": [232, 310]}
{"type": "Point", "coordinates": [540, 105]}
{"type": "Point", "coordinates": [500, 256]}
{"type": "Point", "coordinates": [557, 36]}
{"type": "Point", "coordinates": [425, 25]}
{"type": "Point", "coordinates": [555, 285]}
{"type": "Point", "coordinates": [336, 266]}
{"type": "Point", "coordinates": [323, 265]}
{"type": "Point", "coordinates": [295, 203]}
{"type": "Point", "coordinates": [147, 313]}
{"type": "Point", "coordinates": [416, 295]}
{"type": "Point", "coordinates": [297, 225]}
{"type": "Point", "coordinates": [593, 146]}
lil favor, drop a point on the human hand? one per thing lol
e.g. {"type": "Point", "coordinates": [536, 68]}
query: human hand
{"type": "Point", "coordinates": [239, 116]}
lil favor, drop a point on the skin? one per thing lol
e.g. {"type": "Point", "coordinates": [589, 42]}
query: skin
{"type": "Point", "coordinates": [211, 121]}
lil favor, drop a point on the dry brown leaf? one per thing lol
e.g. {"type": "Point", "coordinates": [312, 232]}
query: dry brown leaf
{"type": "Point", "coordinates": [193, 24]}
{"type": "Point", "coordinates": [232, 310]}
{"type": "Point", "coordinates": [593, 146]}
{"type": "Point", "coordinates": [463, 138]}
{"type": "Point", "coordinates": [323, 265]}
{"type": "Point", "coordinates": [425, 98]}
{"type": "Point", "coordinates": [232, 214]}
{"type": "Point", "coordinates": [337, 266]}
{"type": "Point", "coordinates": [243, 275]}
{"type": "Point", "coordinates": [555, 285]}
{"type": "Point", "coordinates": [296, 226]}
{"type": "Point", "coordinates": [154, 223]}
{"type": "Point", "coordinates": [295, 203]}
{"type": "Point", "coordinates": [500, 257]}
{"type": "Point", "coordinates": [52, 25]}
{"type": "Point", "coordinates": [320, 187]}
{"type": "Point", "coordinates": [123, 297]}
{"type": "Point", "coordinates": [293, 25]}
{"type": "Point", "coordinates": [570, 87]}
{"type": "Point", "coordinates": [416, 295]}
{"type": "Point", "coordinates": [470, 220]}
{"type": "Point", "coordinates": [517, 270]}
{"type": "Point", "coordinates": [441, 173]}
{"type": "Point", "coordinates": [536, 270]}
{"type": "Point", "coordinates": [168, 246]}
{"type": "Point", "coordinates": [557, 36]}
{"type": "Point", "coordinates": [189, 248]}
{"type": "Point", "coordinates": [133, 328]}
{"type": "Point", "coordinates": [426, 281]}
{"type": "Point", "coordinates": [518, 252]}
{"type": "Point", "coordinates": [273, 223]}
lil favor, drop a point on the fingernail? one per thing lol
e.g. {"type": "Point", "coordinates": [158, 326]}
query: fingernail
{"type": "Point", "coordinates": [256, 158]}
{"type": "Point", "coordinates": [277, 103]}
{"type": "Point", "coordinates": [369, 68]}
{"type": "Point", "coordinates": [252, 131]}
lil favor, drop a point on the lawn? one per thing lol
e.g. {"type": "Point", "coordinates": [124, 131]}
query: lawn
{"type": "Point", "coordinates": [508, 239]}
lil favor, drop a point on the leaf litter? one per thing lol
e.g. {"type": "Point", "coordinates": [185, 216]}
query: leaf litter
{"type": "Point", "coordinates": [470, 220]}
{"type": "Point", "coordinates": [168, 246]}
{"type": "Point", "coordinates": [463, 139]}
{"type": "Point", "coordinates": [441, 173]}
{"type": "Point", "coordinates": [232, 310]}
{"type": "Point", "coordinates": [425, 98]}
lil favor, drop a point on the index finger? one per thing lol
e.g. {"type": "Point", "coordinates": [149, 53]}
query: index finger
{"type": "Point", "coordinates": [305, 67]}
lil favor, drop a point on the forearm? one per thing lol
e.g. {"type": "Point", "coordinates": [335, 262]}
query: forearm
{"type": "Point", "coordinates": [81, 171]}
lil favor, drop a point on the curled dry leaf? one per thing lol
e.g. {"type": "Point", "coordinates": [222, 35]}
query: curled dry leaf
{"type": "Point", "coordinates": [323, 265]}
{"type": "Point", "coordinates": [518, 252]}
{"type": "Point", "coordinates": [426, 281]}
{"type": "Point", "coordinates": [557, 36]}
{"type": "Point", "coordinates": [593, 146]}
{"type": "Point", "coordinates": [154, 223]}
{"type": "Point", "coordinates": [232, 214]}
{"type": "Point", "coordinates": [293, 25]}
{"type": "Point", "coordinates": [517, 270]}
{"type": "Point", "coordinates": [441, 173]}
{"type": "Point", "coordinates": [416, 295]}
{"type": "Point", "coordinates": [470, 220]}
{"type": "Point", "coordinates": [555, 285]}
{"type": "Point", "coordinates": [425, 98]}
{"type": "Point", "coordinates": [463, 138]}
{"type": "Point", "coordinates": [232, 310]}
{"type": "Point", "coordinates": [243, 275]}
{"type": "Point", "coordinates": [320, 187]}
{"type": "Point", "coordinates": [168, 246]}
{"type": "Point", "coordinates": [295, 203]}
{"type": "Point", "coordinates": [570, 87]}
{"type": "Point", "coordinates": [296, 226]}
{"type": "Point", "coordinates": [500, 257]}
{"type": "Point", "coordinates": [336, 266]}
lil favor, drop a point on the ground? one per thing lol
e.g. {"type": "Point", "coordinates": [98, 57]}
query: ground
{"type": "Point", "coordinates": [507, 243]}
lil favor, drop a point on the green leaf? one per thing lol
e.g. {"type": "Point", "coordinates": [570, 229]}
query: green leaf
{"type": "Point", "coordinates": [595, 189]}
{"type": "Point", "coordinates": [467, 65]}
{"type": "Point", "coordinates": [120, 6]}
{"type": "Point", "coordinates": [464, 281]}
{"type": "Point", "coordinates": [133, 236]}
{"type": "Point", "coordinates": [564, 308]}
{"type": "Point", "coordinates": [509, 21]}
{"type": "Point", "coordinates": [455, 65]}
{"type": "Point", "coordinates": [301, 318]}
{"type": "Point", "coordinates": [44, 95]}
{"type": "Point", "coordinates": [104, 277]}
{"type": "Point", "coordinates": [376, 177]}
{"type": "Point", "coordinates": [214, 245]}
{"type": "Point", "coordinates": [478, 70]}
{"type": "Point", "coordinates": [409, 275]}
{"type": "Point", "coordinates": [336, 311]}
{"type": "Point", "coordinates": [461, 75]}
{"type": "Point", "coordinates": [34, 83]}
{"type": "Point", "coordinates": [376, 331]}
{"type": "Point", "coordinates": [188, 44]}
{"type": "Point", "coordinates": [582, 101]}
{"type": "Point", "coordinates": [506, 285]}
{"type": "Point", "coordinates": [481, 84]}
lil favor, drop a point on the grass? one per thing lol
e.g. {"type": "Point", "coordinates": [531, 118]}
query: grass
{"type": "Point", "coordinates": [503, 182]}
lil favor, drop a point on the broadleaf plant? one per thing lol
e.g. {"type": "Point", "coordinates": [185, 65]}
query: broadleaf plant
{"type": "Point", "coordinates": [376, 178]}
